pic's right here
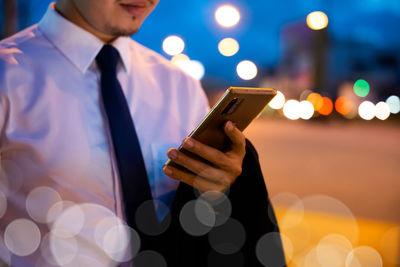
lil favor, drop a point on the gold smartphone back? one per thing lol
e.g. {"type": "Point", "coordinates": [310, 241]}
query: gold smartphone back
{"type": "Point", "coordinates": [240, 105]}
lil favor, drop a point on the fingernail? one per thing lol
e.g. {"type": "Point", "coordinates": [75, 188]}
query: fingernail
{"type": "Point", "coordinates": [188, 143]}
{"type": "Point", "coordinates": [229, 126]}
{"type": "Point", "coordinates": [172, 154]}
{"type": "Point", "coordinates": [167, 170]}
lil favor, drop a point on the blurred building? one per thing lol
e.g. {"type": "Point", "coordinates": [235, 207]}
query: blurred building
{"type": "Point", "coordinates": [314, 60]}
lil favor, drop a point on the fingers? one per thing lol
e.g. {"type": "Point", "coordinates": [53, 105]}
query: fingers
{"type": "Point", "coordinates": [193, 180]}
{"type": "Point", "coordinates": [213, 155]}
{"type": "Point", "coordinates": [193, 165]}
{"type": "Point", "coordinates": [222, 168]}
{"type": "Point", "coordinates": [237, 138]}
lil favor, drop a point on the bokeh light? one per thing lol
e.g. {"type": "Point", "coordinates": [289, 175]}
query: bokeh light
{"type": "Point", "coordinates": [268, 250]}
{"type": "Point", "coordinates": [179, 57]}
{"type": "Point", "coordinates": [228, 47]}
{"type": "Point", "coordinates": [332, 250]}
{"type": "Point", "coordinates": [190, 222]}
{"type": "Point", "coordinates": [173, 45]}
{"type": "Point", "coordinates": [306, 110]}
{"type": "Point", "coordinates": [328, 205]}
{"type": "Point", "coordinates": [39, 201]}
{"type": "Point", "coordinates": [149, 258]}
{"type": "Point", "coordinates": [144, 214]}
{"type": "Point", "coordinates": [94, 215]}
{"type": "Point", "coordinates": [69, 223]}
{"type": "Point", "coordinates": [316, 100]}
{"type": "Point", "coordinates": [116, 242]}
{"type": "Point", "coordinates": [394, 104]}
{"type": "Point", "coordinates": [59, 251]}
{"type": "Point", "coordinates": [364, 256]}
{"type": "Point", "coordinates": [327, 106]}
{"type": "Point", "coordinates": [204, 213]}
{"type": "Point", "coordinates": [343, 105]}
{"type": "Point", "coordinates": [193, 68]}
{"type": "Point", "coordinates": [246, 70]}
{"type": "Point", "coordinates": [311, 258]}
{"type": "Point", "coordinates": [227, 16]}
{"type": "Point", "coordinates": [317, 20]}
{"type": "Point", "coordinates": [291, 109]}
{"type": "Point", "coordinates": [227, 238]}
{"type": "Point", "coordinates": [22, 237]}
{"type": "Point", "coordinates": [293, 209]}
{"type": "Point", "coordinates": [382, 110]}
{"type": "Point", "coordinates": [352, 114]}
{"type": "Point", "coordinates": [366, 110]}
{"type": "Point", "coordinates": [220, 204]}
{"type": "Point", "coordinates": [278, 101]}
{"type": "Point", "coordinates": [361, 88]}
{"type": "Point", "coordinates": [390, 237]}
{"type": "Point", "coordinates": [55, 211]}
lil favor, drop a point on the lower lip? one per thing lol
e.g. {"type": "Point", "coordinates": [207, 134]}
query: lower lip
{"type": "Point", "coordinates": [135, 11]}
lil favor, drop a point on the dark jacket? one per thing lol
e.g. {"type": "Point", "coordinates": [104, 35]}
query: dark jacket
{"type": "Point", "coordinates": [252, 217]}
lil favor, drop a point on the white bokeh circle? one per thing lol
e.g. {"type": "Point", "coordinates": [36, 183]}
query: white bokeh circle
{"type": "Point", "coordinates": [69, 223]}
{"type": "Point", "coordinates": [227, 238]}
{"type": "Point", "coordinates": [149, 258]}
{"type": "Point", "coordinates": [293, 206]}
{"type": "Point", "coordinates": [364, 256]}
{"type": "Point", "coordinates": [116, 242]}
{"type": "Point", "coordinates": [246, 70]}
{"type": "Point", "coordinates": [205, 212]}
{"type": "Point", "coordinates": [328, 205]}
{"type": "Point", "coordinates": [332, 250]}
{"type": "Point", "coordinates": [269, 250]}
{"type": "Point", "coordinates": [190, 221]}
{"type": "Point", "coordinates": [227, 16]}
{"type": "Point", "coordinates": [22, 237]}
{"type": "Point", "coordinates": [306, 110]}
{"type": "Point", "coordinates": [39, 201]}
{"type": "Point", "coordinates": [278, 101]}
{"type": "Point", "coordinates": [366, 110]}
{"type": "Point", "coordinates": [64, 250]}
{"type": "Point", "coordinates": [173, 45]}
{"type": "Point", "coordinates": [221, 205]}
{"type": "Point", "coordinates": [382, 110]}
{"type": "Point", "coordinates": [291, 109]}
{"type": "Point", "coordinates": [57, 209]}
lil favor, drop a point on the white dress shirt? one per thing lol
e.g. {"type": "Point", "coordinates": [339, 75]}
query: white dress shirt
{"type": "Point", "coordinates": [58, 175]}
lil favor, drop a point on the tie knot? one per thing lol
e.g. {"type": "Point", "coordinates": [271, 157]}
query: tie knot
{"type": "Point", "coordinates": [107, 58]}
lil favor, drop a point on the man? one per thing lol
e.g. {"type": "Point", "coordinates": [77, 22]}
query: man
{"type": "Point", "coordinates": [73, 161]}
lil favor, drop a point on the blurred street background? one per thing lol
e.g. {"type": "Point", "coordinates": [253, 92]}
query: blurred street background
{"type": "Point", "coordinates": [329, 143]}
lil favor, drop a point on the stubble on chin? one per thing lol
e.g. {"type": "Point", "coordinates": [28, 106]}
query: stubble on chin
{"type": "Point", "coordinates": [119, 31]}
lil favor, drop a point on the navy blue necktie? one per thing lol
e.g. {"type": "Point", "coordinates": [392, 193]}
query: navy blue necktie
{"type": "Point", "coordinates": [133, 176]}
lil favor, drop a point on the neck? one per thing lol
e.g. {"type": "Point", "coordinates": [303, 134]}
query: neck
{"type": "Point", "coordinates": [69, 11]}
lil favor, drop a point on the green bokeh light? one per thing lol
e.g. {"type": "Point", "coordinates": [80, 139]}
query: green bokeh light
{"type": "Point", "coordinates": [361, 88]}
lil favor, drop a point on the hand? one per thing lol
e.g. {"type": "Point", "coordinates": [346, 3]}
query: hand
{"type": "Point", "coordinates": [217, 177]}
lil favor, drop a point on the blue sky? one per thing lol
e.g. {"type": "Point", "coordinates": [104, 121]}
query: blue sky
{"type": "Point", "coordinates": [258, 32]}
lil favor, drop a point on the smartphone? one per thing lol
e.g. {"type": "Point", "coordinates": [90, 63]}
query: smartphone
{"type": "Point", "coordinates": [240, 105]}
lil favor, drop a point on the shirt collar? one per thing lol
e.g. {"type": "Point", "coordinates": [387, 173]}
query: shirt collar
{"type": "Point", "coordinates": [77, 44]}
